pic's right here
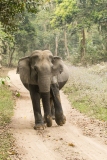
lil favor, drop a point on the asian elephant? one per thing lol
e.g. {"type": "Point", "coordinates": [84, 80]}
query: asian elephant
{"type": "Point", "coordinates": [44, 75]}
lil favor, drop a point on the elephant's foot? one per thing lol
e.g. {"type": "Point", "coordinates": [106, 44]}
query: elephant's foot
{"type": "Point", "coordinates": [40, 126]}
{"type": "Point", "coordinates": [39, 123]}
{"type": "Point", "coordinates": [48, 120]}
{"type": "Point", "coordinates": [60, 119]}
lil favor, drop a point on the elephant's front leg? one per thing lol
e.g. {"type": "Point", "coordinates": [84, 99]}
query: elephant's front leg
{"type": "Point", "coordinates": [35, 97]}
{"type": "Point", "coordinates": [59, 116]}
{"type": "Point", "coordinates": [47, 108]}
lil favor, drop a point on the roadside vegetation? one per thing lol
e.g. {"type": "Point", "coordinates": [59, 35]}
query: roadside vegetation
{"type": "Point", "coordinates": [87, 90]}
{"type": "Point", "coordinates": [6, 112]}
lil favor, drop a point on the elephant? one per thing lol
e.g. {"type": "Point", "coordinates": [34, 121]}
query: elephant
{"type": "Point", "coordinates": [44, 75]}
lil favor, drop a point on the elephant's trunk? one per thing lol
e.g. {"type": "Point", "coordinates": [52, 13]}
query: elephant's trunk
{"type": "Point", "coordinates": [46, 103]}
{"type": "Point", "coordinates": [44, 88]}
{"type": "Point", "coordinates": [44, 84]}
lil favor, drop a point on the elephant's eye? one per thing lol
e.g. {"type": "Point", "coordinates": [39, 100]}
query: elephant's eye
{"type": "Point", "coordinates": [35, 57]}
{"type": "Point", "coordinates": [51, 58]}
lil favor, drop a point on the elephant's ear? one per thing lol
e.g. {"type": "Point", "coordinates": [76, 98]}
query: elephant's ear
{"type": "Point", "coordinates": [57, 65]}
{"type": "Point", "coordinates": [21, 59]}
{"type": "Point", "coordinates": [24, 69]}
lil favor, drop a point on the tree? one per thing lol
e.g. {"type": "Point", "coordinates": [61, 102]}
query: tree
{"type": "Point", "coordinates": [7, 49]}
{"type": "Point", "coordinates": [11, 11]}
{"type": "Point", "coordinates": [66, 27]}
{"type": "Point", "coordinates": [80, 16]}
{"type": "Point", "coordinates": [25, 36]}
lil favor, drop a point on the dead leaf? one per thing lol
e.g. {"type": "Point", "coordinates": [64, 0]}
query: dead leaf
{"type": "Point", "coordinates": [71, 144]}
{"type": "Point", "coordinates": [11, 152]}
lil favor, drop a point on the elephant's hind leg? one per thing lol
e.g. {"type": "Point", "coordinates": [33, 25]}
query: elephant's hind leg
{"type": "Point", "coordinates": [52, 108]}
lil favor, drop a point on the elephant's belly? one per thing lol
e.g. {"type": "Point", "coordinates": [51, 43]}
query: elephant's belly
{"type": "Point", "coordinates": [26, 85]}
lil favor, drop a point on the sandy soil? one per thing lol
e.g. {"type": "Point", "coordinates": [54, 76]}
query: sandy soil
{"type": "Point", "coordinates": [73, 141]}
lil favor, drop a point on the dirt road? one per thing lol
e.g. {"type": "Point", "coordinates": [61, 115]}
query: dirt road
{"type": "Point", "coordinates": [56, 143]}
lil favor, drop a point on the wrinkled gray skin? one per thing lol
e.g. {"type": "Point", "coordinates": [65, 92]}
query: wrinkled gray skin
{"type": "Point", "coordinates": [44, 75]}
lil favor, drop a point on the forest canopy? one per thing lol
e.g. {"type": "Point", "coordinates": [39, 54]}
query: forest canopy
{"type": "Point", "coordinates": [11, 11]}
{"type": "Point", "coordinates": [72, 29]}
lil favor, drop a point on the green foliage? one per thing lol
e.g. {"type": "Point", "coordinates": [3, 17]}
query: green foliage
{"type": "Point", "coordinates": [6, 111]}
{"type": "Point", "coordinates": [47, 28]}
{"type": "Point", "coordinates": [11, 12]}
{"type": "Point", "coordinates": [25, 36]}
{"type": "Point", "coordinates": [6, 99]}
{"type": "Point", "coordinates": [17, 94]}
{"type": "Point", "coordinates": [8, 10]}
{"type": "Point", "coordinates": [4, 80]}
{"type": "Point", "coordinates": [45, 36]}
{"type": "Point", "coordinates": [6, 105]}
{"type": "Point", "coordinates": [77, 16]}
{"type": "Point", "coordinates": [64, 12]}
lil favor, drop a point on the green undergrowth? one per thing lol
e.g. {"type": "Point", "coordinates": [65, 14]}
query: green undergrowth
{"type": "Point", "coordinates": [6, 111]}
{"type": "Point", "coordinates": [87, 92]}
{"type": "Point", "coordinates": [6, 105]}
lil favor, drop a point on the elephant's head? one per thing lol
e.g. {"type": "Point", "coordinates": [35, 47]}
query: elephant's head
{"type": "Point", "coordinates": [42, 67]}
{"type": "Point", "coordinates": [45, 66]}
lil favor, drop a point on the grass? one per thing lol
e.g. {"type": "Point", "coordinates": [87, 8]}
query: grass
{"type": "Point", "coordinates": [87, 91]}
{"type": "Point", "coordinates": [6, 142]}
{"type": "Point", "coordinates": [6, 112]}
{"type": "Point", "coordinates": [6, 105]}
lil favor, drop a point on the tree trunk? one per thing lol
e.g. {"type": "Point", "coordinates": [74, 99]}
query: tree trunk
{"type": "Point", "coordinates": [0, 61]}
{"type": "Point", "coordinates": [11, 57]}
{"type": "Point", "coordinates": [56, 45]}
{"type": "Point", "coordinates": [83, 49]}
{"type": "Point", "coordinates": [49, 47]}
{"type": "Point", "coordinates": [66, 45]}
